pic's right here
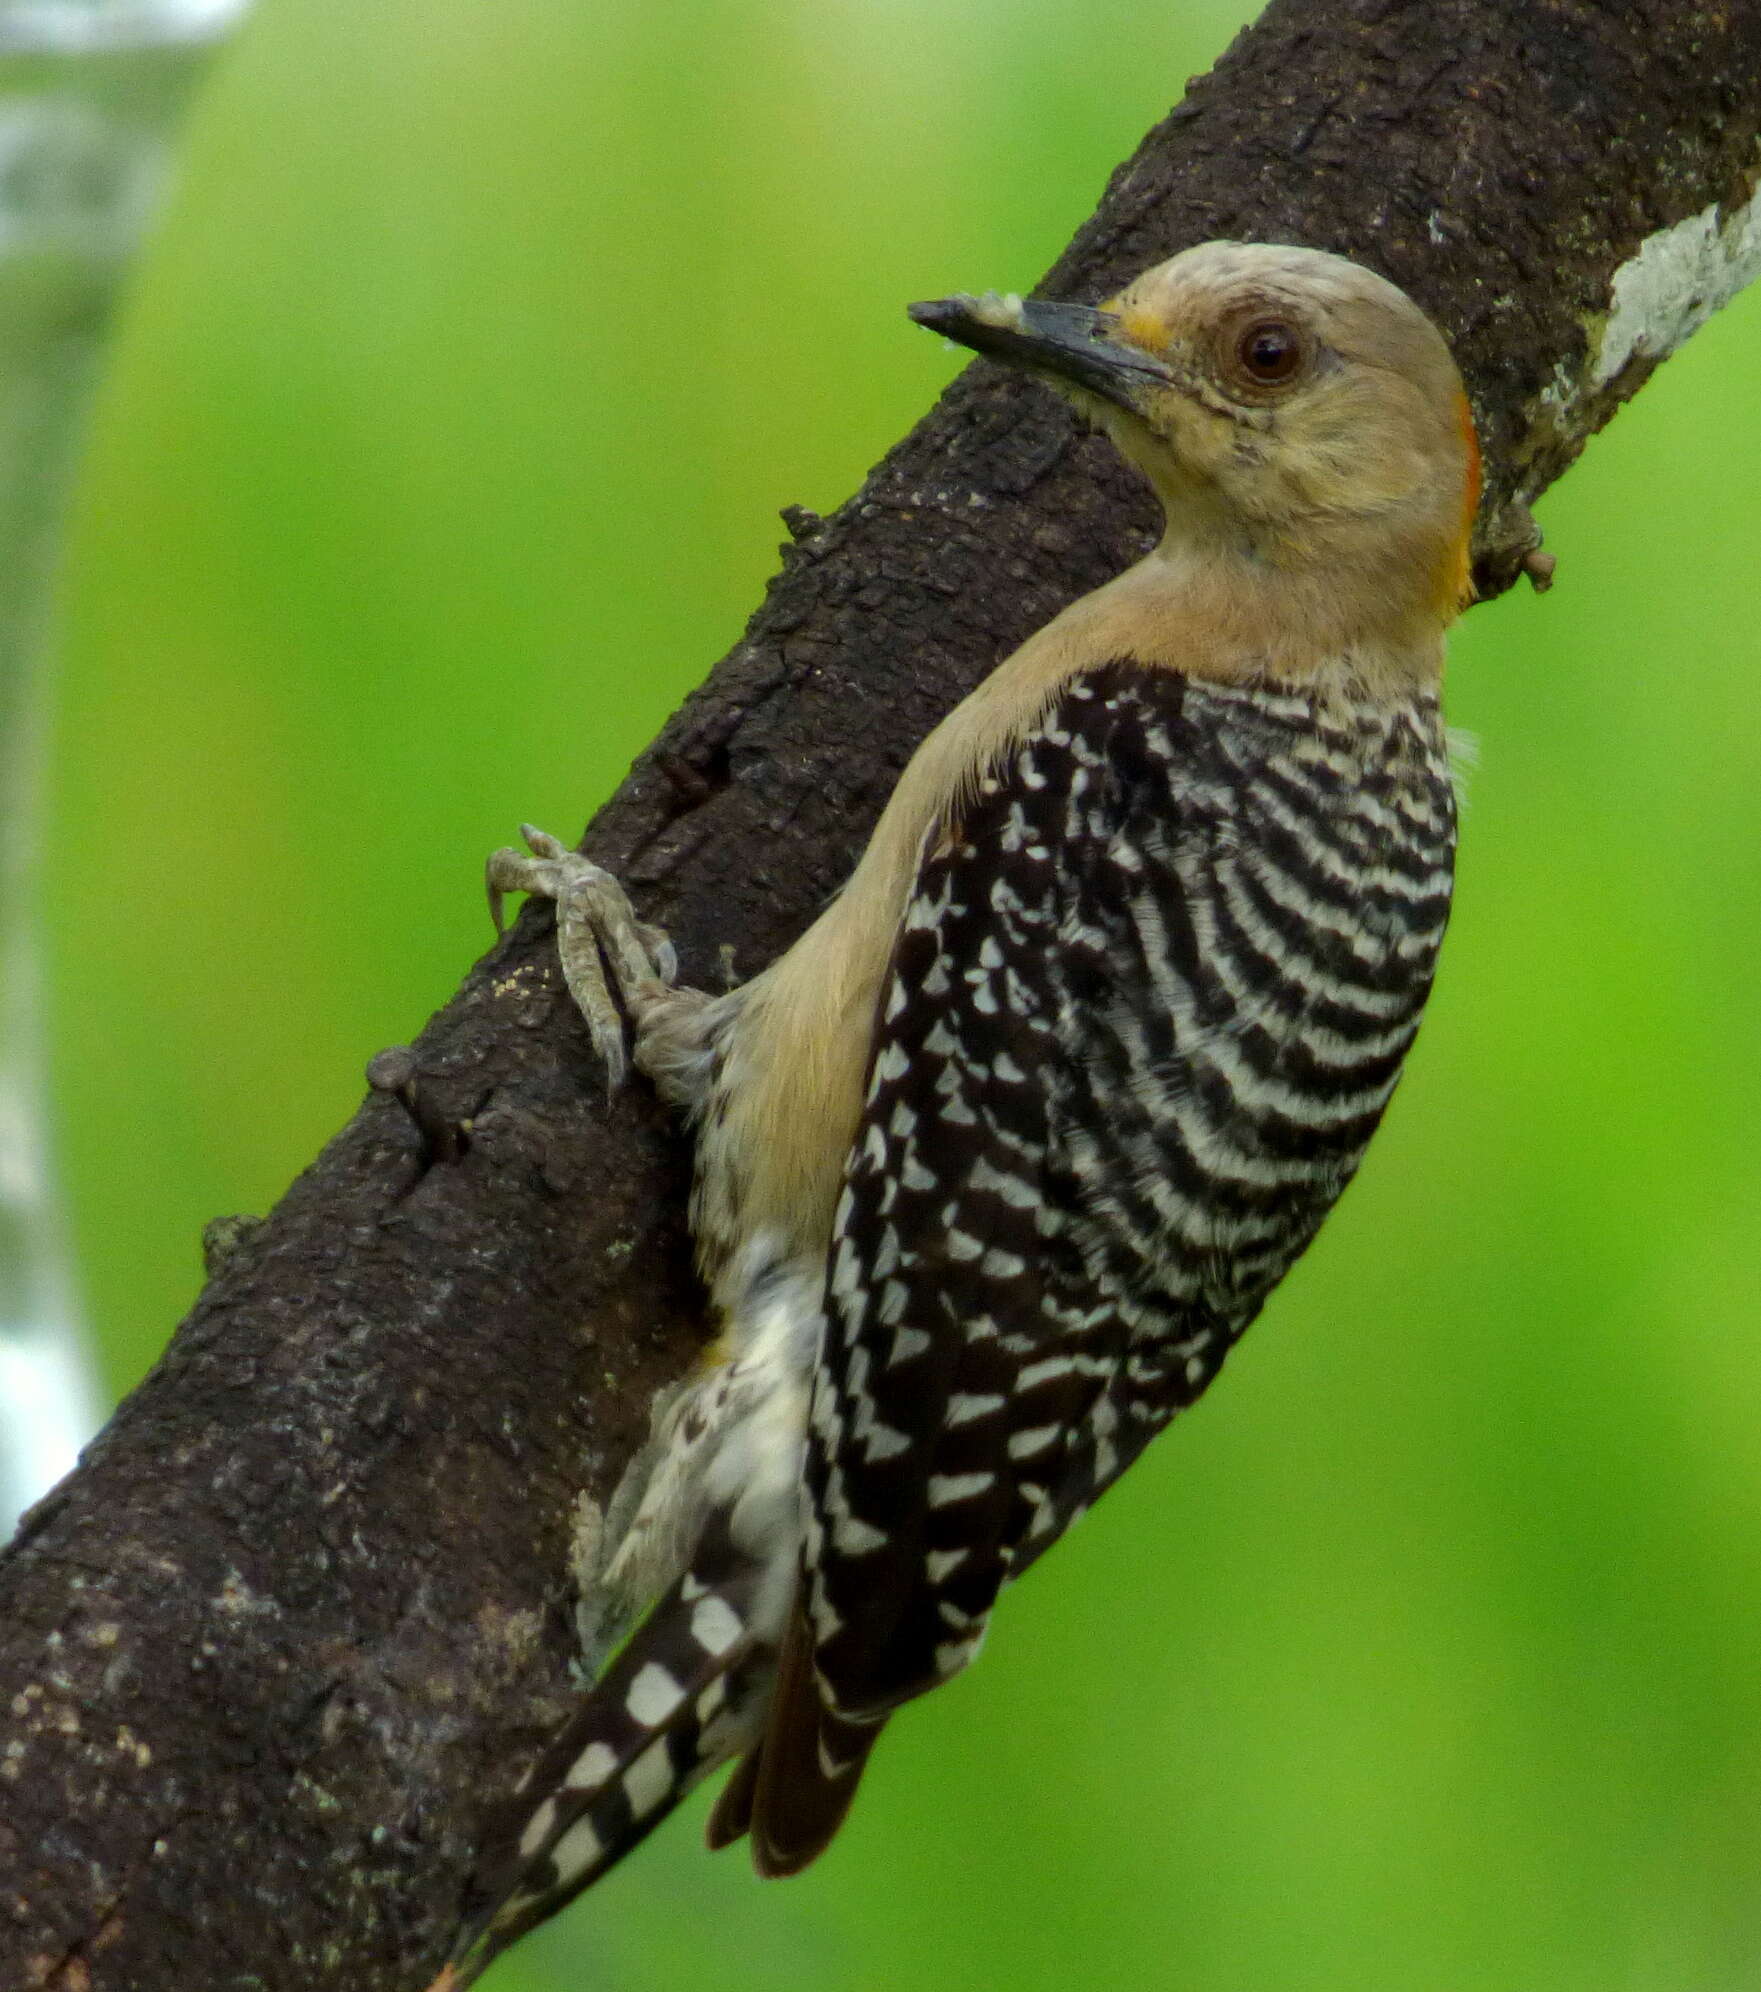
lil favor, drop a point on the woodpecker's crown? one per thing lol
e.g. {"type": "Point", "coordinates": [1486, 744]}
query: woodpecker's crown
{"type": "Point", "coordinates": [1281, 400]}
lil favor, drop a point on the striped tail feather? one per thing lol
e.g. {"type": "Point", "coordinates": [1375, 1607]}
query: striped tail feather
{"type": "Point", "coordinates": [683, 1695]}
{"type": "Point", "coordinates": [795, 1784]}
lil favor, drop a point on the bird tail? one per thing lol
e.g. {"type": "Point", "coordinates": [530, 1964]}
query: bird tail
{"type": "Point", "coordinates": [681, 1696]}
{"type": "Point", "coordinates": [796, 1782]}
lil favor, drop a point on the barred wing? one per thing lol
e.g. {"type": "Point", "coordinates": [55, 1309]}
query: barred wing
{"type": "Point", "coordinates": [1151, 997]}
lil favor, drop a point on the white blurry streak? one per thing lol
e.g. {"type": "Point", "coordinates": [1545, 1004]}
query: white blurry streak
{"type": "Point", "coordinates": [49, 1398]}
{"type": "Point", "coordinates": [85, 131]}
{"type": "Point", "coordinates": [46, 1383]}
{"type": "Point", "coordinates": [87, 27]}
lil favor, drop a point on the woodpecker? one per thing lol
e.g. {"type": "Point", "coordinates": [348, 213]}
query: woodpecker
{"type": "Point", "coordinates": [996, 1163]}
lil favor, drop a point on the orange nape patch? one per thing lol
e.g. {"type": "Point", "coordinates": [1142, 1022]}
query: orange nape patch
{"type": "Point", "coordinates": [1460, 581]}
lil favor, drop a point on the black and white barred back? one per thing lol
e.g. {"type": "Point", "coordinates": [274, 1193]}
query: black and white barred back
{"type": "Point", "coordinates": [1151, 996]}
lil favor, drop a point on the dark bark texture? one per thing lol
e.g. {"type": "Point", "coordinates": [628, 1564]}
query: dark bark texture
{"type": "Point", "coordinates": [267, 1658]}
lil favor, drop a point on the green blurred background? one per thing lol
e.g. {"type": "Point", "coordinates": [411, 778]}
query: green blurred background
{"type": "Point", "coordinates": [440, 455]}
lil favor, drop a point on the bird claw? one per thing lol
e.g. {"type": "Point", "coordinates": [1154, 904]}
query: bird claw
{"type": "Point", "coordinates": [608, 956]}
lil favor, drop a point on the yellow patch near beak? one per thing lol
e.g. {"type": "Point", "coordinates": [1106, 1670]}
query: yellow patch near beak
{"type": "Point", "coordinates": [1139, 324]}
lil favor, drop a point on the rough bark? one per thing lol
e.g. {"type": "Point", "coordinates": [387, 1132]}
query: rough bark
{"type": "Point", "coordinates": [269, 1655]}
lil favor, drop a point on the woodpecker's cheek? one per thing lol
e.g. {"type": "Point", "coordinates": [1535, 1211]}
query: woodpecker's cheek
{"type": "Point", "coordinates": [1200, 444]}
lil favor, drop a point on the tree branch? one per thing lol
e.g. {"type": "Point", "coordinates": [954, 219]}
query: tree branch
{"type": "Point", "coordinates": [268, 1655]}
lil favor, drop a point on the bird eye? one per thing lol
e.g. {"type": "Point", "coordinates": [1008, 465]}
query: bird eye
{"type": "Point", "coordinates": [1269, 351]}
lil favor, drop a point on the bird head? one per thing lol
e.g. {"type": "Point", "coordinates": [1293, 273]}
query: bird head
{"type": "Point", "coordinates": [1288, 406]}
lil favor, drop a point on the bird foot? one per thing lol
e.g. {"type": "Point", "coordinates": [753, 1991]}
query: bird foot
{"type": "Point", "coordinates": [608, 955]}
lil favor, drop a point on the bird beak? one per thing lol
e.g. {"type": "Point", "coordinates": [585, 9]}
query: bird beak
{"type": "Point", "coordinates": [1073, 343]}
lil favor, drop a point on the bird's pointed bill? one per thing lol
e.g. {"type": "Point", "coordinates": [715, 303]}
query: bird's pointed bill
{"type": "Point", "coordinates": [1073, 343]}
